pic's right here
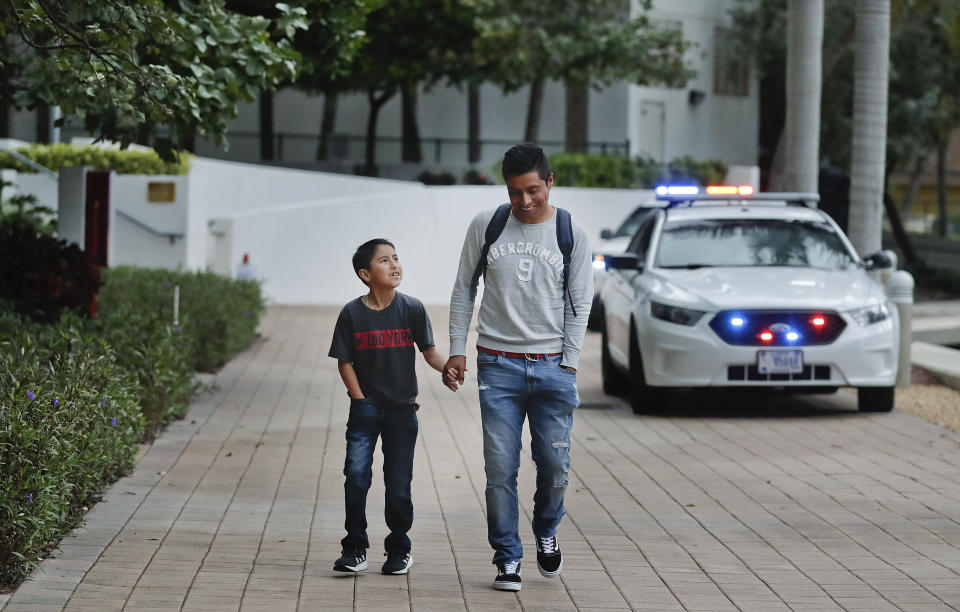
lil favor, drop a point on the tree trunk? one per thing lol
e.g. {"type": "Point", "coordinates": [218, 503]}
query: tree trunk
{"type": "Point", "coordinates": [914, 185]}
{"type": "Point", "coordinates": [266, 126]}
{"type": "Point", "coordinates": [942, 219]}
{"type": "Point", "coordinates": [4, 120]}
{"type": "Point", "coordinates": [327, 123]}
{"type": "Point", "coordinates": [535, 105]}
{"type": "Point", "coordinates": [143, 133]}
{"type": "Point", "coordinates": [831, 58]}
{"type": "Point", "coordinates": [43, 124]}
{"type": "Point", "coordinates": [370, 155]}
{"type": "Point", "coordinates": [188, 139]}
{"type": "Point", "coordinates": [871, 76]}
{"type": "Point", "coordinates": [802, 123]}
{"type": "Point", "coordinates": [410, 133]}
{"type": "Point", "coordinates": [893, 215]}
{"type": "Point", "coordinates": [577, 137]}
{"type": "Point", "coordinates": [473, 123]}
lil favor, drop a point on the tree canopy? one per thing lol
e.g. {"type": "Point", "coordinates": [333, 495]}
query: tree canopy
{"type": "Point", "coordinates": [170, 68]}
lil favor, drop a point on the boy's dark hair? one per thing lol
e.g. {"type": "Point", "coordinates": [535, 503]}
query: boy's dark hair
{"type": "Point", "coordinates": [523, 158]}
{"type": "Point", "coordinates": [364, 255]}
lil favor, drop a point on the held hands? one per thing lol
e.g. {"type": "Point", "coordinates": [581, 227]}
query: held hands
{"type": "Point", "coordinates": [453, 371]}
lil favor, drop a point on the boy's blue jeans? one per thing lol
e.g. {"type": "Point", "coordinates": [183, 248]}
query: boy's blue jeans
{"type": "Point", "coordinates": [397, 427]}
{"type": "Point", "coordinates": [512, 389]}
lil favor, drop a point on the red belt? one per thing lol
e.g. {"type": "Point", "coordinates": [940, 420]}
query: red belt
{"type": "Point", "coordinates": [531, 356]}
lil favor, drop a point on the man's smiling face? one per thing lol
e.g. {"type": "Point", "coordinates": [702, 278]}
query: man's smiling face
{"type": "Point", "coordinates": [529, 195]}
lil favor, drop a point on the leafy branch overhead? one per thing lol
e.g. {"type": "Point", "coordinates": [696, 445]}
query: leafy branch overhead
{"type": "Point", "coordinates": [176, 68]}
{"type": "Point", "coordinates": [593, 42]}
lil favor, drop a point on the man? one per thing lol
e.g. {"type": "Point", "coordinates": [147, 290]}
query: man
{"type": "Point", "coordinates": [532, 319]}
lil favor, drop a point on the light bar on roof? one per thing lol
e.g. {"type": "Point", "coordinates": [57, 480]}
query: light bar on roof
{"type": "Point", "coordinates": [673, 190]}
{"type": "Point", "coordinates": [730, 190]}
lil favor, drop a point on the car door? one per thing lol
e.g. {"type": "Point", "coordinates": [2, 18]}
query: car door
{"type": "Point", "coordinates": [620, 298]}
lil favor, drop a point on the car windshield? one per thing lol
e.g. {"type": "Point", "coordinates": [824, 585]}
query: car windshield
{"type": "Point", "coordinates": [751, 242]}
{"type": "Point", "coordinates": [631, 223]}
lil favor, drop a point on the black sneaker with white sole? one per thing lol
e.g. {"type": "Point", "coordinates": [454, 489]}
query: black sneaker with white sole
{"type": "Point", "coordinates": [397, 563]}
{"type": "Point", "coordinates": [508, 576]}
{"type": "Point", "coordinates": [351, 561]}
{"type": "Point", "coordinates": [549, 557]}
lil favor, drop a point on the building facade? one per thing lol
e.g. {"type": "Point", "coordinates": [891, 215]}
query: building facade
{"type": "Point", "coordinates": [714, 116]}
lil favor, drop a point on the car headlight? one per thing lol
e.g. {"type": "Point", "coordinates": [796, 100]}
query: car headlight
{"type": "Point", "coordinates": [868, 315]}
{"type": "Point", "coordinates": [598, 262]}
{"type": "Point", "coordinates": [675, 314]}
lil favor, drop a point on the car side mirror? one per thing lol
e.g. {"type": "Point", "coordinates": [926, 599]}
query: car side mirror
{"type": "Point", "coordinates": [606, 234]}
{"type": "Point", "coordinates": [877, 261]}
{"type": "Point", "coordinates": [624, 261]}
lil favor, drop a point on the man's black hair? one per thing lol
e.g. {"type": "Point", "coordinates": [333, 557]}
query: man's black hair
{"type": "Point", "coordinates": [523, 158]}
{"type": "Point", "coordinates": [364, 255]}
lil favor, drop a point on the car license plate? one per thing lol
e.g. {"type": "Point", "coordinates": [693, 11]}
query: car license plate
{"type": "Point", "coordinates": [780, 362]}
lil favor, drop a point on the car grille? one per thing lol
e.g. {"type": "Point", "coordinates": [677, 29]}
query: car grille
{"type": "Point", "coordinates": [751, 373]}
{"type": "Point", "coordinates": [785, 327]}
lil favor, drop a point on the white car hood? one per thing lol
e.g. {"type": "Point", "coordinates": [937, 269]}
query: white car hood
{"type": "Point", "coordinates": [771, 287]}
{"type": "Point", "coordinates": [612, 246]}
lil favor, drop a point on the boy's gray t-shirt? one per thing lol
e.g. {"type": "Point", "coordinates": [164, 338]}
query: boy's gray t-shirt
{"type": "Point", "coordinates": [380, 345]}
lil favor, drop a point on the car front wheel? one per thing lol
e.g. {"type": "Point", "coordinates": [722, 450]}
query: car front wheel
{"type": "Point", "coordinates": [643, 397]}
{"type": "Point", "coordinates": [614, 381]}
{"type": "Point", "coordinates": [875, 399]}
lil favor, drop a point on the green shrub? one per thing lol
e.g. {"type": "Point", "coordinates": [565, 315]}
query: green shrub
{"type": "Point", "coordinates": [23, 208]}
{"type": "Point", "coordinates": [218, 315]}
{"type": "Point", "coordinates": [592, 170]}
{"type": "Point", "coordinates": [42, 276]}
{"type": "Point", "coordinates": [56, 156]}
{"type": "Point", "coordinates": [681, 170]}
{"type": "Point", "coordinates": [69, 424]}
{"type": "Point", "coordinates": [587, 170]}
{"type": "Point", "coordinates": [149, 347]}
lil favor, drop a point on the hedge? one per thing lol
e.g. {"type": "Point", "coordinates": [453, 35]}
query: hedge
{"type": "Point", "coordinates": [218, 316]}
{"type": "Point", "coordinates": [76, 396]}
{"type": "Point", "coordinates": [128, 161]}
{"type": "Point", "coordinates": [615, 171]}
{"type": "Point", "coordinates": [69, 424]}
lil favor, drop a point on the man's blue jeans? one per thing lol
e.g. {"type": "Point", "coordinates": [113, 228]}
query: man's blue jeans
{"type": "Point", "coordinates": [396, 426]}
{"type": "Point", "coordinates": [512, 389]}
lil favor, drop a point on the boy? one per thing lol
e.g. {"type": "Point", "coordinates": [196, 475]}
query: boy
{"type": "Point", "coordinates": [373, 343]}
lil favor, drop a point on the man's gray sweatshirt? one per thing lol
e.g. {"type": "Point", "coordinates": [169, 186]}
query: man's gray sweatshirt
{"type": "Point", "coordinates": [523, 309]}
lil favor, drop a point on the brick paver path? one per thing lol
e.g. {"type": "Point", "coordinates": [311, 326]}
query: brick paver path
{"type": "Point", "coordinates": [765, 503]}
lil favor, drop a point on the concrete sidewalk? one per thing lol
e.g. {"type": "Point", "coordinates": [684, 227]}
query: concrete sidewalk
{"type": "Point", "coordinates": [768, 503]}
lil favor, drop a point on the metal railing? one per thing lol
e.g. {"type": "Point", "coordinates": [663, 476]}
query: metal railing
{"type": "Point", "coordinates": [340, 146]}
{"type": "Point", "coordinates": [171, 235]}
{"type": "Point", "coordinates": [47, 172]}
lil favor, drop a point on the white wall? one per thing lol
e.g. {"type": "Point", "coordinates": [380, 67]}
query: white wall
{"type": "Point", "coordinates": [132, 244]}
{"type": "Point", "coordinates": [39, 185]}
{"type": "Point", "coordinates": [222, 189]}
{"type": "Point", "coordinates": [302, 251]}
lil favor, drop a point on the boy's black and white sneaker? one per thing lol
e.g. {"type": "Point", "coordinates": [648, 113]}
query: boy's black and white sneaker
{"type": "Point", "coordinates": [549, 557]}
{"type": "Point", "coordinates": [351, 561]}
{"type": "Point", "coordinates": [508, 576]}
{"type": "Point", "coordinates": [397, 563]}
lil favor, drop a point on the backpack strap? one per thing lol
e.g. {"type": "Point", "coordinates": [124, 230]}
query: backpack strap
{"type": "Point", "coordinates": [565, 242]}
{"type": "Point", "coordinates": [494, 229]}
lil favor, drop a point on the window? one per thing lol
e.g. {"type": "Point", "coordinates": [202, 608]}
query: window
{"type": "Point", "coordinates": [641, 242]}
{"type": "Point", "coordinates": [731, 69]}
{"type": "Point", "coordinates": [669, 25]}
{"type": "Point", "coordinates": [751, 242]}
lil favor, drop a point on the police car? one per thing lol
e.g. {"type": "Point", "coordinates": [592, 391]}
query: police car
{"type": "Point", "coordinates": [740, 290]}
{"type": "Point", "coordinates": [613, 242]}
